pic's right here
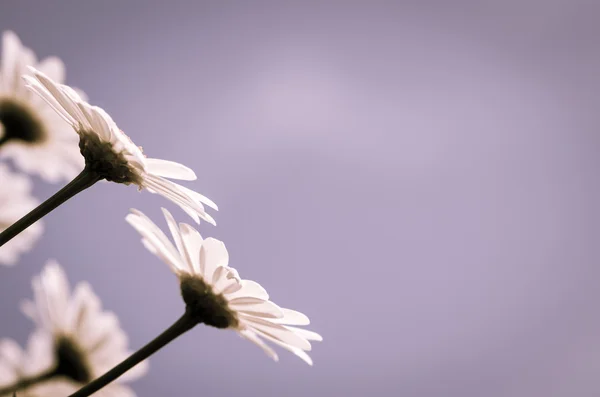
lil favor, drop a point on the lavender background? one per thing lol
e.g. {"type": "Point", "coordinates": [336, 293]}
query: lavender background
{"type": "Point", "coordinates": [419, 177]}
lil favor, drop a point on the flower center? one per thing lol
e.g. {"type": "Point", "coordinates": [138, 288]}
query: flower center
{"type": "Point", "coordinates": [19, 123]}
{"type": "Point", "coordinates": [101, 158]}
{"type": "Point", "coordinates": [71, 361]}
{"type": "Point", "coordinates": [206, 306]}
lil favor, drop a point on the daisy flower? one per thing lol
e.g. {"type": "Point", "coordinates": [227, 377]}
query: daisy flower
{"type": "Point", "coordinates": [16, 201]}
{"type": "Point", "coordinates": [216, 295]}
{"type": "Point", "coordinates": [111, 155]}
{"type": "Point", "coordinates": [76, 341]}
{"type": "Point", "coordinates": [32, 135]}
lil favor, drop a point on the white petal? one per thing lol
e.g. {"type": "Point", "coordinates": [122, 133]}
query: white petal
{"type": "Point", "coordinates": [170, 169]}
{"type": "Point", "coordinates": [35, 86]}
{"type": "Point", "coordinates": [232, 287]}
{"type": "Point", "coordinates": [225, 281]}
{"type": "Point", "coordinates": [293, 317]}
{"type": "Point", "coordinates": [64, 100]}
{"type": "Point", "coordinates": [219, 274]}
{"type": "Point", "coordinates": [256, 307]}
{"type": "Point", "coordinates": [56, 291]}
{"type": "Point", "coordinates": [154, 237]}
{"type": "Point", "coordinates": [276, 331]}
{"type": "Point", "coordinates": [11, 352]}
{"type": "Point", "coordinates": [199, 197]}
{"type": "Point", "coordinates": [74, 93]}
{"type": "Point", "coordinates": [91, 123]}
{"type": "Point", "coordinates": [174, 232]}
{"type": "Point", "coordinates": [252, 337]}
{"type": "Point", "coordinates": [192, 243]}
{"type": "Point", "coordinates": [306, 334]}
{"type": "Point", "coordinates": [11, 51]}
{"type": "Point", "coordinates": [53, 67]}
{"type": "Point", "coordinates": [171, 191]}
{"type": "Point", "coordinates": [250, 289]}
{"type": "Point", "coordinates": [84, 303]}
{"type": "Point", "coordinates": [40, 353]}
{"type": "Point", "coordinates": [212, 255]}
{"type": "Point", "coordinates": [298, 352]}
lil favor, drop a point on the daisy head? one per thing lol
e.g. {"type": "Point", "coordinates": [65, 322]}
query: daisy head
{"type": "Point", "coordinates": [215, 294]}
{"type": "Point", "coordinates": [32, 135]}
{"type": "Point", "coordinates": [16, 201]}
{"type": "Point", "coordinates": [83, 340]}
{"type": "Point", "coordinates": [111, 155]}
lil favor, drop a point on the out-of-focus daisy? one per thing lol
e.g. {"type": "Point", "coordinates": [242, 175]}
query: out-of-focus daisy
{"type": "Point", "coordinates": [76, 341]}
{"type": "Point", "coordinates": [111, 155]}
{"type": "Point", "coordinates": [32, 135]}
{"type": "Point", "coordinates": [216, 295]}
{"type": "Point", "coordinates": [16, 201]}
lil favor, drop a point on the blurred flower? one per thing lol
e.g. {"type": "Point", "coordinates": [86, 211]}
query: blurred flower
{"type": "Point", "coordinates": [32, 135]}
{"type": "Point", "coordinates": [16, 201]}
{"type": "Point", "coordinates": [111, 155]}
{"type": "Point", "coordinates": [76, 341]}
{"type": "Point", "coordinates": [215, 294]}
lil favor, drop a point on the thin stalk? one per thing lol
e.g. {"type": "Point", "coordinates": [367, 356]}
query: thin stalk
{"type": "Point", "coordinates": [81, 182]}
{"type": "Point", "coordinates": [27, 382]}
{"type": "Point", "coordinates": [181, 326]}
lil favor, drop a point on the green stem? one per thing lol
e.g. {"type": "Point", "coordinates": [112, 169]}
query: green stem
{"type": "Point", "coordinates": [181, 326]}
{"type": "Point", "coordinates": [81, 182]}
{"type": "Point", "coordinates": [27, 382]}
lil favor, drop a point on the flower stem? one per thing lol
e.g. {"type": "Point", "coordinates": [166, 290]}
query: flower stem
{"type": "Point", "coordinates": [27, 382]}
{"type": "Point", "coordinates": [81, 182]}
{"type": "Point", "coordinates": [181, 326]}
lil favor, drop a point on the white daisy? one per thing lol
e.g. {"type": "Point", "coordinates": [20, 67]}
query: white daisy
{"type": "Point", "coordinates": [110, 154]}
{"type": "Point", "coordinates": [16, 201]}
{"type": "Point", "coordinates": [215, 294]}
{"type": "Point", "coordinates": [82, 340]}
{"type": "Point", "coordinates": [32, 135]}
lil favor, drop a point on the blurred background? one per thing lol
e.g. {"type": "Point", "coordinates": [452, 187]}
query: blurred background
{"type": "Point", "coordinates": [419, 177]}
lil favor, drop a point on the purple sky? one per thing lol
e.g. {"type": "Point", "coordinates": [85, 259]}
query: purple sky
{"type": "Point", "coordinates": [419, 178]}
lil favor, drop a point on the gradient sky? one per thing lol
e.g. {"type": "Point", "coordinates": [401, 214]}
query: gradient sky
{"type": "Point", "coordinates": [419, 177]}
